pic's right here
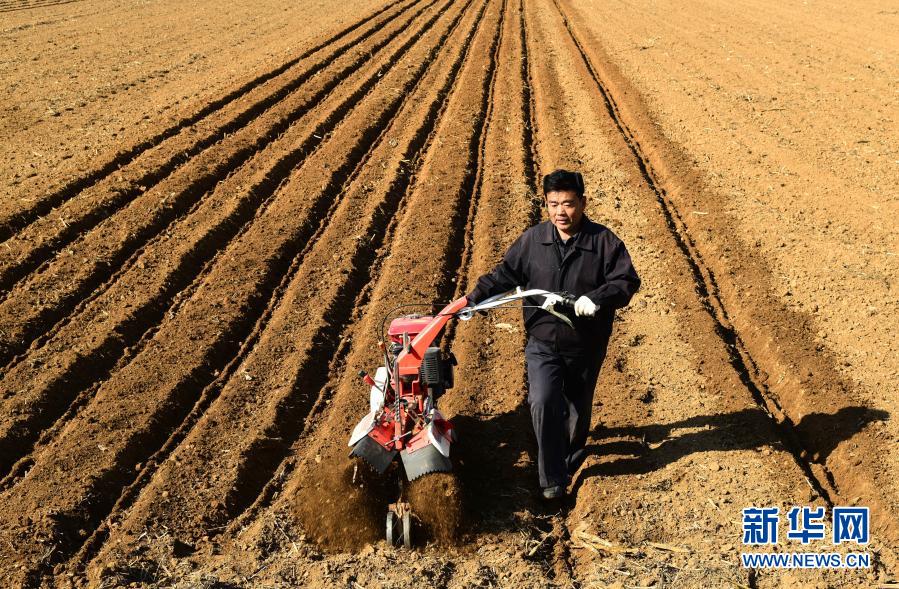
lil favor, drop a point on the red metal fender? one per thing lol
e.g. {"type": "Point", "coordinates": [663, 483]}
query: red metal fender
{"type": "Point", "coordinates": [409, 361]}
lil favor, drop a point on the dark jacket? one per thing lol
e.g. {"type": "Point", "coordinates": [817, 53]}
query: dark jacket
{"type": "Point", "coordinates": [597, 266]}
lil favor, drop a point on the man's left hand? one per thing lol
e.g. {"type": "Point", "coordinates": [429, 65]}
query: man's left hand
{"type": "Point", "coordinates": [584, 307]}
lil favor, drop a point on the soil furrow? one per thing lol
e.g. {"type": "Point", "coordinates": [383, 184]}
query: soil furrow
{"type": "Point", "coordinates": [463, 249]}
{"type": "Point", "coordinates": [705, 284]}
{"type": "Point", "coordinates": [463, 222]}
{"type": "Point", "coordinates": [137, 408]}
{"type": "Point", "coordinates": [45, 236]}
{"type": "Point", "coordinates": [33, 3]}
{"type": "Point", "coordinates": [555, 555]}
{"type": "Point", "coordinates": [569, 137]}
{"type": "Point", "coordinates": [487, 401]}
{"type": "Point", "coordinates": [13, 221]}
{"type": "Point", "coordinates": [441, 519]}
{"type": "Point", "coordinates": [337, 365]}
{"type": "Point", "coordinates": [502, 207]}
{"type": "Point", "coordinates": [84, 349]}
{"type": "Point", "coordinates": [753, 352]}
{"type": "Point", "coordinates": [487, 404]}
{"type": "Point", "coordinates": [91, 357]}
{"type": "Point", "coordinates": [14, 7]}
{"type": "Point", "coordinates": [45, 297]}
{"type": "Point", "coordinates": [649, 466]}
{"type": "Point", "coordinates": [300, 341]}
{"type": "Point", "coordinates": [529, 117]}
{"type": "Point", "coordinates": [437, 208]}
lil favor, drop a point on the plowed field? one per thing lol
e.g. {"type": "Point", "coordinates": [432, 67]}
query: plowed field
{"type": "Point", "coordinates": [208, 209]}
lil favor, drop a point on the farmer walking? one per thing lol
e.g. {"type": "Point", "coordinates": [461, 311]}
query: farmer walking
{"type": "Point", "coordinates": [573, 254]}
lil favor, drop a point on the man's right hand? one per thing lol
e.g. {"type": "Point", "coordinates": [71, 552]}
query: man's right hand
{"type": "Point", "coordinates": [584, 307]}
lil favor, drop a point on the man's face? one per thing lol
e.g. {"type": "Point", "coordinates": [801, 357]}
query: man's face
{"type": "Point", "coordinates": [565, 209]}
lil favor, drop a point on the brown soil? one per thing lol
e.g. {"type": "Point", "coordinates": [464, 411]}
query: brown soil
{"type": "Point", "coordinates": [208, 211]}
{"type": "Point", "coordinates": [353, 516]}
{"type": "Point", "coordinates": [436, 500]}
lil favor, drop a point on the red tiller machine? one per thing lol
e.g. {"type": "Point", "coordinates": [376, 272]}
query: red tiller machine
{"type": "Point", "coordinates": [403, 418]}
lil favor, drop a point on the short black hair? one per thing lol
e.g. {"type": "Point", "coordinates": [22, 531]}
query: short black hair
{"type": "Point", "coordinates": [563, 181]}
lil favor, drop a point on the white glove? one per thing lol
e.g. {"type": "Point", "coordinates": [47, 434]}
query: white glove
{"type": "Point", "coordinates": [584, 307]}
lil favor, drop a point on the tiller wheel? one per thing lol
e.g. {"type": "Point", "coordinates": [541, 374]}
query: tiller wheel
{"type": "Point", "coordinates": [399, 525]}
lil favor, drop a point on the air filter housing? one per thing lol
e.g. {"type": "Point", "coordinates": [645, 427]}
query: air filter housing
{"type": "Point", "coordinates": [437, 370]}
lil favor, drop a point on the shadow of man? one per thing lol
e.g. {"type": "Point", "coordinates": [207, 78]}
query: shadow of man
{"type": "Point", "coordinates": [822, 433]}
{"type": "Point", "coordinates": [496, 453]}
{"type": "Point", "coordinates": [651, 447]}
{"type": "Point", "coordinates": [496, 463]}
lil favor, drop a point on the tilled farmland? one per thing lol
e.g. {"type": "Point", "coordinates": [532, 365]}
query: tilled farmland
{"type": "Point", "coordinates": [185, 306]}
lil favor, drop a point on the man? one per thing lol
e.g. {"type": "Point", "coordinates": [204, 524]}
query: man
{"type": "Point", "coordinates": [569, 253]}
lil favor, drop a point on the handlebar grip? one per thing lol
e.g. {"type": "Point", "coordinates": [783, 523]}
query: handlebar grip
{"type": "Point", "coordinates": [567, 300]}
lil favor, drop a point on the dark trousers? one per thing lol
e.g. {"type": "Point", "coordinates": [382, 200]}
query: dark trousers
{"type": "Point", "coordinates": [560, 393]}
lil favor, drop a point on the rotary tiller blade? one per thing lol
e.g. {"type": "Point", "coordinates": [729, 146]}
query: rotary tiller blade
{"type": "Point", "coordinates": [423, 461]}
{"type": "Point", "coordinates": [374, 453]}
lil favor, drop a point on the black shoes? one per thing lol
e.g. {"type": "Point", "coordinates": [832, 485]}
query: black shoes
{"type": "Point", "coordinates": [557, 492]}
